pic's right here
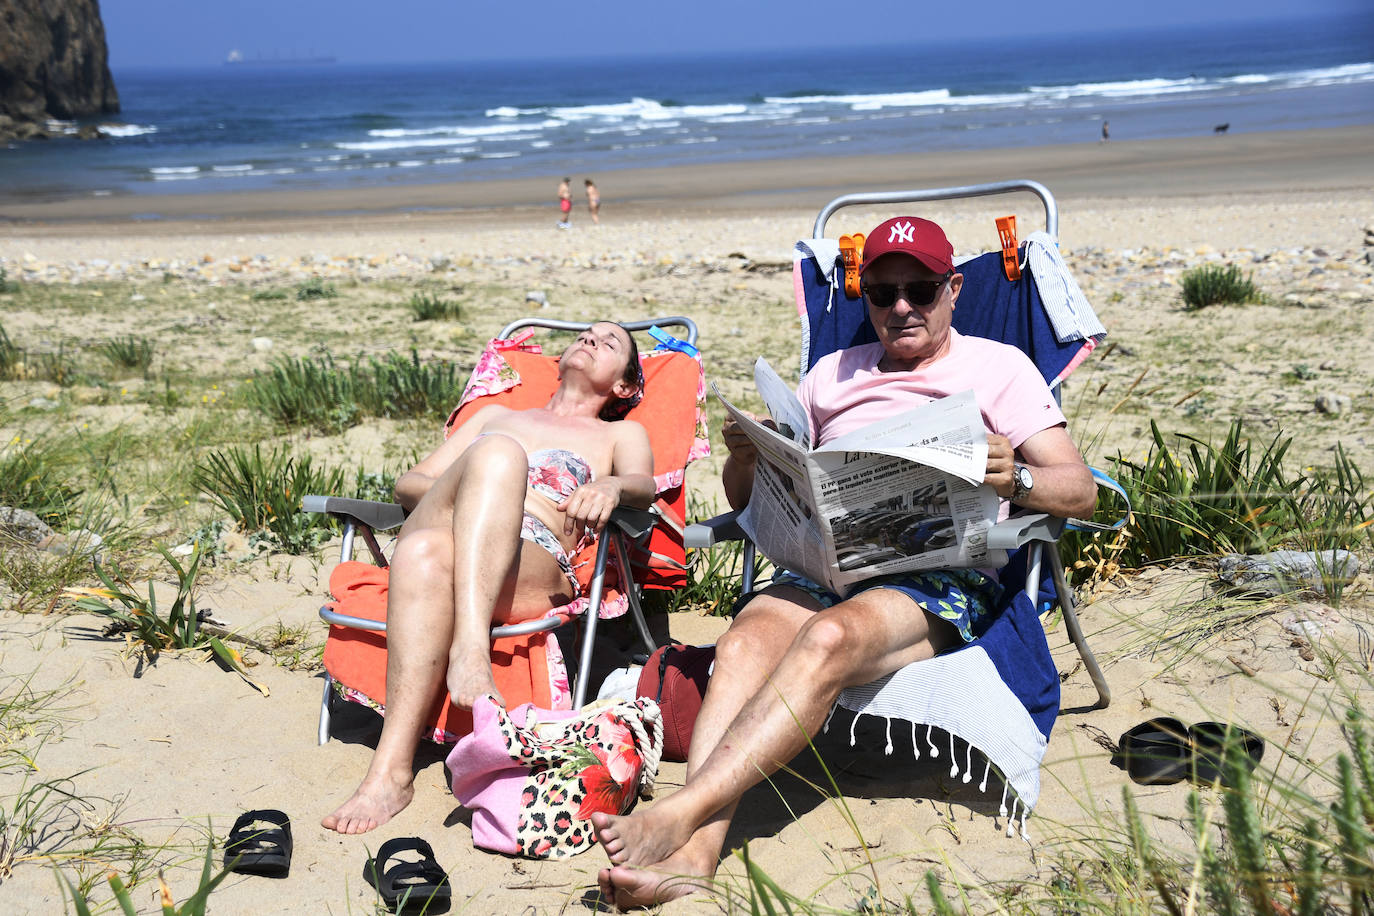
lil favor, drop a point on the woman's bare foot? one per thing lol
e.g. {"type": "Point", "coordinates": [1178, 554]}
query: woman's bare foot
{"type": "Point", "coordinates": [676, 876]}
{"type": "Point", "coordinates": [469, 677]}
{"type": "Point", "coordinates": [377, 800]}
{"type": "Point", "coordinates": [642, 838]}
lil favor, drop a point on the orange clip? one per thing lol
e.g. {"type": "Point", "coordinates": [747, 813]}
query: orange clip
{"type": "Point", "coordinates": [517, 343]}
{"type": "Point", "coordinates": [849, 252]}
{"type": "Point", "coordinates": [1011, 262]}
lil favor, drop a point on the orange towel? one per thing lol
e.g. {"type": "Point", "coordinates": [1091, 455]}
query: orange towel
{"type": "Point", "coordinates": [357, 658]}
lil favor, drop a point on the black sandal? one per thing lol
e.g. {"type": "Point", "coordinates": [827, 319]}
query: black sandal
{"type": "Point", "coordinates": [1157, 752]}
{"type": "Point", "coordinates": [1220, 749]}
{"type": "Point", "coordinates": [256, 850]}
{"type": "Point", "coordinates": [408, 883]}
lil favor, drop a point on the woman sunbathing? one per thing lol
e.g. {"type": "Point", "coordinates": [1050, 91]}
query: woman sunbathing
{"type": "Point", "coordinates": [495, 514]}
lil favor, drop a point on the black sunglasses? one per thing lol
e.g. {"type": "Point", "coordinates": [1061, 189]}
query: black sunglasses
{"type": "Point", "coordinates": [920, 292]}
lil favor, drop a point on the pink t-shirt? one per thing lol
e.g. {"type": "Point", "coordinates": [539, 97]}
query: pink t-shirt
{"type": "Point", "coordinates": [845, 391]}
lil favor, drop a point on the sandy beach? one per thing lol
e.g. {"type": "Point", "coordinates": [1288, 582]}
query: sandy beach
{"type": "Point", "coordinates": [157, 757]}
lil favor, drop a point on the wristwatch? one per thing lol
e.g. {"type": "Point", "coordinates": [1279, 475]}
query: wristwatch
{"type": "Point", "coordinates": [1021, 482]}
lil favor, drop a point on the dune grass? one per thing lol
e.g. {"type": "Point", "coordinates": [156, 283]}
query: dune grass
{"type": "Point", "coordinates": [1212, 284]}
{"type": "Point", "coordinates": [318, 393]}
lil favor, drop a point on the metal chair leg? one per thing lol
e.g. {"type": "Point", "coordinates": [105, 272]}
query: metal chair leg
{"type": "Point", "coordinates": [632, 591]}
{"type": "Point", "coordinates": [1066, 603]}
{"type": "Point", "coordinates": [324, 710]}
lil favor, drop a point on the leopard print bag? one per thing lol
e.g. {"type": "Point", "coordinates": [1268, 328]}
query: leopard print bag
{"type": "Point", "coordinates": [532, 777]}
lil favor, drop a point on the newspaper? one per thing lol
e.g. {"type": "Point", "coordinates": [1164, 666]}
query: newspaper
{"type": "Point", "coordinates": [905, 494]}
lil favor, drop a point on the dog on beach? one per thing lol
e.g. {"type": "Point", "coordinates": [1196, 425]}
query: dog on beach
{"type": "Point", "coordinates": [1222, 128]}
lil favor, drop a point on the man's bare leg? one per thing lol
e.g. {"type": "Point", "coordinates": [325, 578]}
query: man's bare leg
{"type": "Point", "coordinates": [856, 641]}
{"type": "Point", "coordinates": [745, 658]}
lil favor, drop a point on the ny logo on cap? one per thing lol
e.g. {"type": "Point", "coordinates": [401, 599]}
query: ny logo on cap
{"type": "Point", "coordinates": [901, 232]}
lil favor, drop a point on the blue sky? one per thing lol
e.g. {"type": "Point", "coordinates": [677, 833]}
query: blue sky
{"type": "Point", "coordinates": [186, 32]}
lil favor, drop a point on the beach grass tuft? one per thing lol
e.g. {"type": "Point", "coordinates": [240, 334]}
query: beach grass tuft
{"type": "Point", "coordinates": [306, 392]}
{"type": "Point", "coordinates": [429, 307]}
{"type": "Point", "coordinates": [261, 491]}
{"type": "Point", "coordinates": [6, 284]}
{"type": "Point", "coordinates": [38, 472]}
{"type": "Point", "coordinates": [130, 352]}
{"type": "Point", "coordinates": [1212, 284]}
{"type": "Point", "coordinates": [11, 357]}
{"type": "Point", "coordinates": [194, 905]}
{"type": "Point", "coordinates": [398, 387]}
{"type": "Point", "coordinates": [1192, 499]}
{"type": "Point", "coordinates": [321, 394]}
{"type": "Point", "coordinates": [315, 288]}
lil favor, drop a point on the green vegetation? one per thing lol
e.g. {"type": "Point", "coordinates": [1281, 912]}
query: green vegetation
{"type": "Point", "coordinates": [11, 357]}
{"type": "Point", "coordinates": [1212, 284]}
{"type": "Point", "coordinates": [195, 905]}
{"type": "Point", "coordinates": [132, 613]}
{"type": "Point", "coordinates": [130, 352]}
{"type": "Point", "coordinates": [1253, 848]}
{"type": "Point", "coordinates": [427, 307]}
{"type": "Point", "coordinates": [1199, 500]}
{"type": "Point", "coordinates": [37, 473]}
{"type": "Point", "coordinates": [262, 493]}
{"type": "Point", "coordinates": [320, 394]}
{"type": "Point", "coordinates": [315, 288]}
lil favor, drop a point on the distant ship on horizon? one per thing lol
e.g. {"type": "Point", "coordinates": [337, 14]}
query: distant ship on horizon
{"type": "Point", "coordinates": [236, 58]}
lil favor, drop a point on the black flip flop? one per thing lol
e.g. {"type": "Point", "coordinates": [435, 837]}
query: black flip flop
{"type": "Point", "coordinates": [1157, 752]}
{"type": "Point", "coordinates": [253, 849]}
{"type": "Point", "coordinates": [407, 883]}
{"type": "Point", "coordinates": [1220, 747]}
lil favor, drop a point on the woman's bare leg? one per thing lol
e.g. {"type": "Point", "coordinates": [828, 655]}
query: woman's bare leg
{"type": "Point", "coordinates": [423, 624]}
{"type": "Point", "coordinates": [485, 523]}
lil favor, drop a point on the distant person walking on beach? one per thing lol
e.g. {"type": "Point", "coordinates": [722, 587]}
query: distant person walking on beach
{"type": "Point", "coordinates": [565, 203]}
{"type": "Point", "coordinates": [593, 201]}
{"type": "Point", "coordinates": [1106, 134]}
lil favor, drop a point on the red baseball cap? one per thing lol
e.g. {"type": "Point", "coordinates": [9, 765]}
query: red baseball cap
{"type": "Point", "coordinates": [910, 235]}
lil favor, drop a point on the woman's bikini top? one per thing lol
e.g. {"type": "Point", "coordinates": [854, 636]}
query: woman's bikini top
{"type": "Point", "coordinates": [556, 472]}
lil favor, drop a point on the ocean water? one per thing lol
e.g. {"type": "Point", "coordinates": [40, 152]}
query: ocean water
{"type": "Point", "coordinates": [226, 128]}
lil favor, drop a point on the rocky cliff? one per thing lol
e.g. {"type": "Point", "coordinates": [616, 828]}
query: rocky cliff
{"type": "Point", "coordinates": [53, 64]}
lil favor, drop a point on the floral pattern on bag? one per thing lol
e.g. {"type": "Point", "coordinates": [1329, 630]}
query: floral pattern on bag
{"type": "Point", "coordinates": [596, 762]}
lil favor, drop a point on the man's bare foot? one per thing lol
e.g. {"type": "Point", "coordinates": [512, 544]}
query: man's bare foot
{"type": "Point", "coordinates": [375, 802]}
{"type": "Point", "coordinates": [469, 677]}
{"type": "Point", "coordinates": [642, 838]}
{"type": "Point", "coordinates": [677, 876]}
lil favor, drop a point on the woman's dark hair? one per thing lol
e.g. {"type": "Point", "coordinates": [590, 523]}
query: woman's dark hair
{"type": "Point", "coordinates": [617, 408]}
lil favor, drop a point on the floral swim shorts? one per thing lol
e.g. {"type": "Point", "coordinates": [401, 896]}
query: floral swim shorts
{"type": "Point", "coordinates": [537, 533]}
{"type": "Point", "coordinates": [965, 598]}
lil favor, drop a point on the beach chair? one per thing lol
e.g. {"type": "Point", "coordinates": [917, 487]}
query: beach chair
{"type": "Point", "coordinates": [527, 661]}
{"type": "Point", "coordinates": [1008, 666]}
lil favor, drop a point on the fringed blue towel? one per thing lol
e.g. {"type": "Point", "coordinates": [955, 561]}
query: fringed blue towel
{"type": "Point", "coordinates": [999, 694]}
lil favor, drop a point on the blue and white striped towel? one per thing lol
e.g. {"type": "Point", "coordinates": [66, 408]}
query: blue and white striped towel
{"type": "Point", "coordinates": [1068, 309]}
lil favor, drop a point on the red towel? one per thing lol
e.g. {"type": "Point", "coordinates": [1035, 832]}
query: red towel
{"type": "Point", "coordinates": [357, 658]}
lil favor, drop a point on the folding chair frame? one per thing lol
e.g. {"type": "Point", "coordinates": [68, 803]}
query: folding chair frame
{"type": "Point", "coordinates": [1032, 529]}
{"type": "Point", "coordinates": [365, 518]}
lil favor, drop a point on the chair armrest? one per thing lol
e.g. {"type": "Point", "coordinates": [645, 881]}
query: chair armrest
{"type": "Point", "coordinates": [634, 522]}
{"type": "Point", "coordinates": [1104, 482]}
{"type": "Point", "coordinates": [375, 515]}
{"type": "Point", "coordinates": [714, 531]}
{"type": "Point", "coordinates": [1020, 530]}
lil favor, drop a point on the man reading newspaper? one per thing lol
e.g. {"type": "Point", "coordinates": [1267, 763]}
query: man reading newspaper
{"type": "Point", "coordinates": [797, 643]}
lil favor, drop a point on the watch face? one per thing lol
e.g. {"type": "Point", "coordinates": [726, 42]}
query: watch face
{"type": "Point", "coordinates": [1023, 477]}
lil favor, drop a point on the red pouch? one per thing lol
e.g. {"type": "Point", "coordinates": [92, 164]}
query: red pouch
{"type": "Point", "coordinates": [675, 676]}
